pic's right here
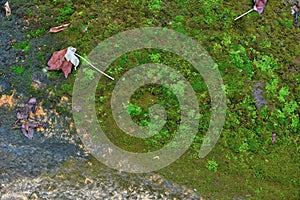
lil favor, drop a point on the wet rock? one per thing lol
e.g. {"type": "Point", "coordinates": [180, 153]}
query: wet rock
{"type": "Point", "coordinates": [4, 86]}
{"type": "Point", "coordinates": [69, 183]}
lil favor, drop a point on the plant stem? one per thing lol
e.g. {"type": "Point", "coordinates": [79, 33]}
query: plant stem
{"type": "Point", "coordinates": [98, 70]}
{"type": "Point", "coordinates": [244, 14]}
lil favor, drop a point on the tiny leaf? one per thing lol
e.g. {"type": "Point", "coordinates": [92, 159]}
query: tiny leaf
{"type": "Point", "coordinates": [70, 56]}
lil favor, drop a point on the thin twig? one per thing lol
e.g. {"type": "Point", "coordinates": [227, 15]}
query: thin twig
{"type": "Point", "coordinates": [244, 14]}
{"type": "Point", "coordinates": [94, 66]}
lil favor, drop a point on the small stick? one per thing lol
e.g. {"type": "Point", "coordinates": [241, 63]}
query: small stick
{"type": "Point", "coordinates": [244, 14]}
{"type": "Point", "coordinates": [94, 66]}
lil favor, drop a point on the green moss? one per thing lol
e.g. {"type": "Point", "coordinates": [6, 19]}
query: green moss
{"type": "Point", "coordinates": [22, 46]}
{"type": "Point", "coordinates": [20, 70]}
{"type": "Point", "coordinates": [256, 48]}
{"type": "Point", "coordinates": [37, 33]}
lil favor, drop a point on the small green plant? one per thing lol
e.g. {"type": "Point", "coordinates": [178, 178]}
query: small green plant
{"type": "Point", "coordinates": [66, 88]}
{"type": "Point", "coordinates": [67, 10]}
{"type": "Point", "coordinates": [238, 56]}
{"type": "Point", "coordinates": [37, 33]}
{"type": "Point", "coordinates": [22, 46]}
{"type": "Point", "coordinates": [178, 26]}
{"type": "Point", "coordinates": [284, 91]}
{"type": "Point", "coordinates": [226, 40]}
{"type": "Point", "coordinates": [155, 5]}
{"type": "Point", "coordinates": [212, 165]}
{"type": "Point", "coordinates": [19, 69]}
{"type": "Point", "coordinates": [155, 57]}
{"type": "Point", "coordinates": [134, 110]}
{"type": "Point", "coordinates": [179, 18]}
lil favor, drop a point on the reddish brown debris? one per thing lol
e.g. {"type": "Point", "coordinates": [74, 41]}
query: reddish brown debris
{"type": "Point", "coordinates": [7, 9]}
{"type": "Point", "coordinates": [58, 61]}
{"type": "Point", "coordinates": [260, 5]}
{"type": "Point", "coordinates": [59, 28]}
{"type": "Point", "coordinates": [28, 125]}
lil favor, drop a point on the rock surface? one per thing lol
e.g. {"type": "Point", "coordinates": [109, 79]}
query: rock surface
{"type": "Point", "coordinates": [37, 169]}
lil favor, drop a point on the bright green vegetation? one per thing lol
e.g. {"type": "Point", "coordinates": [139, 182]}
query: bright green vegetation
{"type": "Point", "coordinates": [37, 33]}
{"type": "Point", "coordinates": [22, 46]}
{"type": "Point", "coordinates": [257, 48]}
{"type": "Point", "coordinates": [20, 70]}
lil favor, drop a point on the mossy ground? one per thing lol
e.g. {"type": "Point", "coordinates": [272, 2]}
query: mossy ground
{"type": "Point", "coordinates": [256, 48]}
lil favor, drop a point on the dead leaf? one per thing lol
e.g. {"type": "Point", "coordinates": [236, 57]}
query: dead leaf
{"type": "Point", "coordinates": [58, 61]}
{"type": "Point", "coordinates": [260, 5]}
{"type": "Point", "coordinates": [23, 116]}
{"type": "Point", "coordinates": [59, 28]}
{"type": "Point", "coordinates": [7, 9]}
{"type": "Point", "coordinates": [70, 56]}
{"type": "Point", "coordinates": [64, 59]}
{"type": "Point", "coordinates": [29, 107]}
{"type": "Point", "coordinates": [27, 130]}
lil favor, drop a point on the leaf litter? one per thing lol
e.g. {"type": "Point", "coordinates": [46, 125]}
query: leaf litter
{"type": "Point", "coordinates": [65, 59]}
{"type": "Point", "coordinates": [259, 6]}
{"type": "Point", "coordinates": [7, 9]}
{"type": "Point", "coordinates": [59, 28]}
{"type": "Point", "coordinates": [25, 118]}
{"type": "Point", "coordinates": [58, 61]}
{"type": "Point", "coordinates": [295, 12]}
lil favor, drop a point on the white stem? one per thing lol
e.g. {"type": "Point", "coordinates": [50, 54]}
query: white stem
{"type": "Point", "coordinates": [243, 14]}
{"type": "Point", "coordinates": [98, 70]}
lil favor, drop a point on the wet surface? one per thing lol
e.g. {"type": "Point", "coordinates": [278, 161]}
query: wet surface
{"type": "Point", "coordinates": [36, 168]}
{"type": "Point", "coordinates": [19, 156]}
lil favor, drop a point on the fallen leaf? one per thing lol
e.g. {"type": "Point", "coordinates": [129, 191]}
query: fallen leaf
{"type": "Point", "coordinates": [59, 28]}
{"type": "Point", "coordinates": [259, 5]}
{"type": "Point", "coordinates": [26, 131]}
{"type": "Point", "coordinates": [30, 106]}
{"type": "Point", "coordinates": [23, 116]}
{"type": "Point", "coordinates": [7, 9]}
{"type": "Point", "coordinates": [296, 13]}
{"type": "Point", "coordinates": [64, 59]}
{"type": "Point", "coordinates": [58, 61]}
{"type": "Point", "coordinates": [70, 56]}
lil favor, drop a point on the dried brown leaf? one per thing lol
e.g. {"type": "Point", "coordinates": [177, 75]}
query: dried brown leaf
{"type": "Point", "coordinates": [58, 61]}
{"type": "Point", "coordinates": [23, 116]}
{"type": "Point", "coordinates": [59, 28]}
{"type": "Point", "coordinates": [260, 5]}
{"type": "Point", "coordinates": [66, 68]}
{"type": "Point", "coordinates": [7, 9]}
